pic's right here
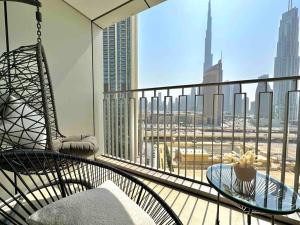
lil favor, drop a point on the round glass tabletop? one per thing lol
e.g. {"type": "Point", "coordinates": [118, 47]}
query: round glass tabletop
{"type": "Point", "coordinates": [263, 193]}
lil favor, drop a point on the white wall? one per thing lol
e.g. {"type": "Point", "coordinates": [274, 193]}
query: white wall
{"type": "Point", "coordinates": [66, 36]}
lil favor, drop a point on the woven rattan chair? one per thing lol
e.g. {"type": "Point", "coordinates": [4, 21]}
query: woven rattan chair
{"type": "Point", "coordinates": [35, 191]}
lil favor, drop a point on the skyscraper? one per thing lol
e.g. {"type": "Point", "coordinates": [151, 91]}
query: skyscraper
{"type": "Point", "coordinates": [212, 101]}
{"type": "Point", "coordinates": [263, 98]}
{"type": "Point", "coordinates": [120, 73]}
{"type": "Point", "coordinates": [227, 91]}
{"type": "Point", "coordinates": [287, 62]}
{"type": "Point", "coordinates": [208, 59]}
{"type": "Point", "coordinates": [211, 74]}
{"type": "Point", "coordinates": [120, 55]}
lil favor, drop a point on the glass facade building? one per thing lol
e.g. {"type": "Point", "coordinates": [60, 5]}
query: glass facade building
{"type": "Point", "coordinates": [120, 73]}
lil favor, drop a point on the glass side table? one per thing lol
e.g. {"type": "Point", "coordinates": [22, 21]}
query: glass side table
{"type": "Point", "coordinates": [263, 194]}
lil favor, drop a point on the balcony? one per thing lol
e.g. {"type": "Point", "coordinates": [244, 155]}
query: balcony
{"type": "Point", "coordinates": [155, 144]}
{"type": "Point", "coordinates": [171, 135]}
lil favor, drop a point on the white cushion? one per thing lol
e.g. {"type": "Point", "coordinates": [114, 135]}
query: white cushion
{"type": "Point", "coordinates": [22, 126]}
{"type": "Point", "coordinates": [106, 205]}
{"type": "Point", "coordinates": [84, 143]}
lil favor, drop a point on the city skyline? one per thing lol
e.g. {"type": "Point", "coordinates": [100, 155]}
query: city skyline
{"type": "Point", "coordinates": [192, 66]}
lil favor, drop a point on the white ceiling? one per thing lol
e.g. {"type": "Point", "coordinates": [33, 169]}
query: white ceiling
{"type": "Point", "coordinates": [107, 12]}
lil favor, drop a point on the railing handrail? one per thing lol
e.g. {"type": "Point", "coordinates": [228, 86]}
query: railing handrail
{"type": "Point", "coordinates": [249, 81]}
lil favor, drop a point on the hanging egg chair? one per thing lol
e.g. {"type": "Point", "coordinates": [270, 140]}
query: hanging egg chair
{"type": "Point", "coordinates": [27, 107]}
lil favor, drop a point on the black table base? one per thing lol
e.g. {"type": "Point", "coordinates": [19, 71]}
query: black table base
{"type": "Point", "coordinates": [244, 209]}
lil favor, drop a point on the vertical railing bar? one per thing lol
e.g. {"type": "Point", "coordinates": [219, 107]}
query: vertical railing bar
{"type": "Point", "coordinates": [297, 163]}
{"type": "Point", "coordinates": [140, 135]}
{"type": "Point", "coordinates": [257, 124]}
{"type": "Point", "coordinates": [108, 117]}
{"type": "Point", "coordinates": [233, 120]}
{"type": "Point", "coordinates": [222, 126]}
{"type": "Point", "coordinates": [165, 137]}
{"type": "Point", "coordinates": [178, 131]}
{"type": "Point", "coordinates": [130, 148]}
{"type": "Point", "coordinates": [135, 120]}
{"type": "Point", "coordinates": [296, 85]}
{"type": "Point", "coordinates": [146, 136]}
{"type": "Point", "coordinates": [285, 137]}
{"type": "Point", "coordinates": [245, 120]}
{"type": "Point", "coordinates": [152, 128]}
{"type": "Point", "coordinates": [194, 157]}
{"type": "Point", "coordinates": [108, 125]}
{"type": "Point", "coordinates": [111, 116]}
{"type": "Point", "coordinates": [128, 126]}
{"type": "Point", "coordinates": [202, 133]}
{"type": "Point", "coordinates": [117, 120]}
{"type": "Point", "coordinates": [171, 131]}
{"type": "Point", "coordinates": [109, 147]}
{"type": "Point", "coordinates": [121, 128]}
{"type": "Point", "coordinates": [157, 133]}
{"type": "Point", "coordinates": [121, 118]}
{"type": "Point", "coordinates": [152, 138]}
{"type": "Point", "coordinates": [269, 133]}
{"type": "Point", "coordinates": [126, 129]}
{"type": "Point", "coordinates": [116, 125]}
{"type": "Point", "coordinates": [213, 131]}
{"type": "Point", "coordinates": [185, 144]}
{"type": "Point", "coordinates": [111, 125]}
{"type": "Point", "coordinates": [266, 86]}
{"type": "Point", "coordinates": [105, 114]}
{"type": "Point", "coordinates": [130, 137]}
{"type": "Point", "coordinates": [104, 125]}
{"type": "Point", "coordinates": [165, 128]}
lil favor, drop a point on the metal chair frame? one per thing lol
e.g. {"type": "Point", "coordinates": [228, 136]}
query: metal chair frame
{"type": "Point", "coordinates": [35, 190]}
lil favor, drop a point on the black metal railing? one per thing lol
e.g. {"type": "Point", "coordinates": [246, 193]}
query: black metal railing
{"type": "Point", "coordinates": [181, 130]}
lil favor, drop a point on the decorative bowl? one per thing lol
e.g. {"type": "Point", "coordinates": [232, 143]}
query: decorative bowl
{"type": "Point", "coordinates": [244, 173]}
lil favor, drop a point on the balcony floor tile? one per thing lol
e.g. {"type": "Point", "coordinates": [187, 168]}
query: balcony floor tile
{"type": "Point", "coordinates": [190, 209]}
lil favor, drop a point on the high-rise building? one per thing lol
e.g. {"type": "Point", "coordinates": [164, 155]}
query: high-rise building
{"type": "Point", "coordinates": [120, 55]}
{"type": "Point", "coordinates": [211, 74]}
{"type": "Point", "coordinates": [120, 73]}
{"type": "Point", "coordinates": [208, 59]}
{"type": "Point", "coordinates": [213, 101]}
{"type": "Point", "coordinates": [227, 91]}
{"type": "Point", "coordinates": [287, 62]}
{"type": "Point", "coordinates": [262, 97]}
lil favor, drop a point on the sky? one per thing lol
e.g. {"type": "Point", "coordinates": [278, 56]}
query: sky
{"type": "Point", "coordinates": [171, 39]}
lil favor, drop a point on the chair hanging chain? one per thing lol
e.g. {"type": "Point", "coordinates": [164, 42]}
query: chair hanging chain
{"type": "Point", "coordinates": [38, 24]}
